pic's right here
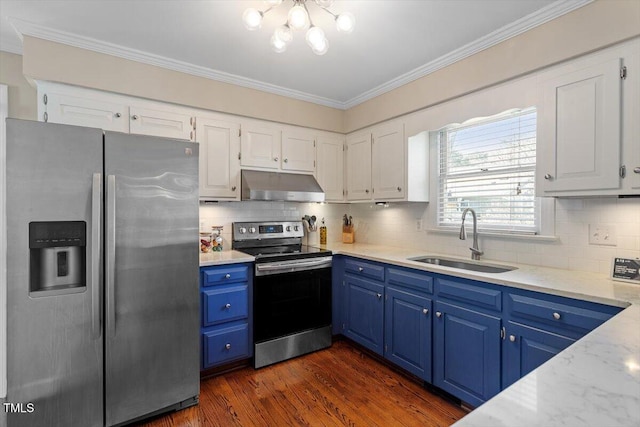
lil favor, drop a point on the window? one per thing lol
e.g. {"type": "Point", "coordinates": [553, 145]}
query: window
{"type": "Point", "coordinates": [489, 165]}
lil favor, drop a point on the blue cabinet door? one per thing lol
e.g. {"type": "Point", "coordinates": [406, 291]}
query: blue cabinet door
{"type": "Point", "coordinates": [408, 331]}
{"type": "Point", "coordinates": [364, 312]}
{"type": "Point", "coordinates": [527, 348]}
{"type": "Point", "coordinates": [466, 353]}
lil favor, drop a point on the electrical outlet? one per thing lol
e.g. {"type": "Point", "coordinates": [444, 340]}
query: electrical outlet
{"type": "Point", "coordinates": [418, 224]}
{"type": "Point", "coordinates": [603, 234]}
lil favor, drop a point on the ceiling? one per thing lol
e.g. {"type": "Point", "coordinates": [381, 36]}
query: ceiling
{"type": "Point", "coordinates": [393, 43]}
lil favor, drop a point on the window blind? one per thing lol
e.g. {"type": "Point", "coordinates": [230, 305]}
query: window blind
{"type": "Point", "coordinates": [489, 165]}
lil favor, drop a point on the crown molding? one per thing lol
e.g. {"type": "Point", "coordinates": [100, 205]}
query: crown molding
{"type": "Point", "coordinates": [526, 23]}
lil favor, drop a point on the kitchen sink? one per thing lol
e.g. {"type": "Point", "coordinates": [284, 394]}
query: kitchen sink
{"type": "Point", "coordinates": [464, 265]}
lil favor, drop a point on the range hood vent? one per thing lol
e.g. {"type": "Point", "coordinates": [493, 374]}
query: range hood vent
{"type": "Point", "coordinates": [280, 186]}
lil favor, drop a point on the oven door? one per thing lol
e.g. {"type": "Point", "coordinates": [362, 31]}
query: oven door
{"type": "Point", "coordinates": [287, 302]}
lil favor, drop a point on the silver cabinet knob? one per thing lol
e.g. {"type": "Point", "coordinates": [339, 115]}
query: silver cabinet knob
{"type": "Point", "coordinates": [117, 115]}
{"type": "Point", "coordinates": [425, 311]}
{"type": "Point", "coordinates": [399, 189]}
{"type": "Point", "coordinates": [512, 338]}
{"type": "Point", "coordinates": [360, 269]}
{"type": "Point", "coordinates": [556, 316]}
{"type": "Point", "coordinates": [134, 117]}
{"type": "Point", "coordinates": [379, 296]}
{"type": "Point", "coordinates": [366, 191]}
{"type": "Point", "coordinates": [438, 314]}
{"type": "Point", "coordinates": [227, 276]}
{"type": "Point", "coordinates": [233, 188]}
{"type": "Point", "coordinates": [227, 306]}
{"type": "Point", "coordinates": [636, 170]}
{"type": "Point", "coordinates": [547, 176]}
{"type": "Point", "coordinates": [275, 159]}
{"type": "Point", "coordinates": [228, 346]}
{"type": "Point", "coordinates": [286, 160]}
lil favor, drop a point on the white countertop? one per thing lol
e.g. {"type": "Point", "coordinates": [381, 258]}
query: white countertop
{"type": "Point", "coordinates": [594, 382]}
{"type": "Point", "coordinates": [224, 257]}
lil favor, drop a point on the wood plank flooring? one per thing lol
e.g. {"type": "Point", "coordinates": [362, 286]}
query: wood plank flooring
{"type": "Point", "coordinates": [339, 386]}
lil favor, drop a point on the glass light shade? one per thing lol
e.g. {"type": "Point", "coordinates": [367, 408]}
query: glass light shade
{"type": "Point", "coordinates": [324, 3]}
{"type": "Point", "coordinates": [345, 22]}
{"type": "Point", "coordinates": [252, 19]}
{"type": "Point", "coordinates": [278, 45]}
{"type": "Point", "coordinates": [284, 33]}
{"type": "Point", "coordinates": [298, 18]}
{"type": "Point", "coordinates": [321, 48]}
{"type": "Point", "coordinates": [273, 3]}
{"type": "Point", "coordinates": [315, 37]}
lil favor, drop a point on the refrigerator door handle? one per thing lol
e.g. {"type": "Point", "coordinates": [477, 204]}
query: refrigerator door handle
{"type": "Point", "coordinates": [110, 271]}
{"type": "Point", "coordinates": [96, 209]}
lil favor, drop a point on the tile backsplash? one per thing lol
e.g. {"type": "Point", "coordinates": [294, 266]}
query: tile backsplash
{"type": "Point", "coordinates": [397, 225]}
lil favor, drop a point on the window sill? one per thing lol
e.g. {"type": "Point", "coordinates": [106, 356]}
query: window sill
{"type": "Point", "coordinates": [506, 236]}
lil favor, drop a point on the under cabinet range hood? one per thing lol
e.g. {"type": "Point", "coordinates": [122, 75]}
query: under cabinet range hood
{"type": "Point", "coordinates": [280, 186]}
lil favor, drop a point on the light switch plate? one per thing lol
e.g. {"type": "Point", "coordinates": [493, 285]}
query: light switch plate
{"type": "Point", "coordinates": [603, 234]}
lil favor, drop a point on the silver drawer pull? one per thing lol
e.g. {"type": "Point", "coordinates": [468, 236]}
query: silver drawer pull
{"type": "Point", "coordinates": [512, 338]}
{"type": "Point", "coordinates": [228, 346]}
{"type": "Point", "coordinates": [227, 306]}
{"type": "Point", "coordinates": [556, 316]}
{"type": "Point", "coordinates": [425, 311]}
{"type": "Point", "coordinates": [438, 314]}
{"type": "Point", "coordinates": [118, 115]}
{"type": "Point", "coordinates": [360, 269]}
{"type": "Point", "coordinates": [134, 117]}
{"type": "Point", "coordinates": [379, 296]}
{"type": "Point", "coordinates": [636, 170]}
{"type": "Point", "coordinates": [227, 276]}
{"type": "Point", "coordinates": [548, 176]}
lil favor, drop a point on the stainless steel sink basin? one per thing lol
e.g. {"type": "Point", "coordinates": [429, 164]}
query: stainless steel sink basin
{"type": "Point", "coordinates": [464, 265]}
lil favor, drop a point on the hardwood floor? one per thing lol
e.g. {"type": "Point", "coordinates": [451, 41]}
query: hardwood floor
{"type": "Point", "coordinates": [339, 386]}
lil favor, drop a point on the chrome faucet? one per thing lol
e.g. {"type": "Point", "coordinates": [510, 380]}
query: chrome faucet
{"type": "Point", "coordinates": [475, 251]}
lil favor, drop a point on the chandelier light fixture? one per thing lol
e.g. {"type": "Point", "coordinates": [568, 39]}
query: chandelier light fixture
{"type": "Point", "coordinates": [299, 19]}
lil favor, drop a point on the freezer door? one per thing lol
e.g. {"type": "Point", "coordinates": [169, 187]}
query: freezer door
{"type": "Point", "coordinates": [151, 275]}
{"type": "Point", "coordinates": [54, 351]}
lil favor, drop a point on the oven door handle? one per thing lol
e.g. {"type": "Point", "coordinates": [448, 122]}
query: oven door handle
{"type": "Point", "coordinates": [276, 267]}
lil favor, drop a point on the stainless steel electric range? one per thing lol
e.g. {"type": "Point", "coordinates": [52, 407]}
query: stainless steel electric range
{"type": "Point", "coordinates": [292, 290]}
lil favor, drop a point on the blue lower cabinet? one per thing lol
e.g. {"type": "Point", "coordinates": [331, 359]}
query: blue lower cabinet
{"type": "Point", "coordinates": [364, 313]}
{"type": "Point", "coordinates": [225, 344]}
{"type": "Point", "coordinates": [226, 296]}
{"type": "Point", "coordinates": [466, 353]}
{"type": "Point", "coordinates": [408, 331]}
{"type": "Point", "coordinates": [526, 348]}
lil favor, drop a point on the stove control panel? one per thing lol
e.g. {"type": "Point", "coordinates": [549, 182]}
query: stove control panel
{"type": "Point", "coordinates": [266, 230]}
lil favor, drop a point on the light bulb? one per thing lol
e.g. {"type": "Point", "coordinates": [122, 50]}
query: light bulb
{"type": "Point", "coordinates": [273, 3]}
{"type": "Point", "coordinates": [315, 36]}
{"type": "Point", "coordinates": [298, 18]}
{"type": "Point", "coordinates": [321, 48]}
{"type": "Point", "coordinates": [324, 3]}
{"type": "Point", "coordinates": [252, 19]}
{"type": "Point", "coordinates": [284, 33]}
{"type": "Point", "coordinates": [345, 22]}
{"type": "Point", "coordinates": [278, 45]}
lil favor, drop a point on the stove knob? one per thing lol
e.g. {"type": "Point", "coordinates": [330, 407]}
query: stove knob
{"type": "Point", "coordinates": [295, 228]}
{"type": "Point", "coordinates": [242, 230]}
{"type": "Point", "coordinates": [288, 228]}
{"type": "Point", "coordinates": [252, 229]}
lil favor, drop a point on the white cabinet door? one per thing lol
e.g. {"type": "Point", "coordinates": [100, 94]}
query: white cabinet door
{"type": "Point", "coordinates": [359, 167]}
{"type": "Point", "coordinates": [631, 144]}
{"type": "Point", "coordinates": [167, 124]}
{"type": "Point", "coordinates": [79, 111]}
{"type": "Point", "coordinates": [219, 164]}
{"type": "Point", "coordinates": [260, 146]}
{"type": "Point", "coordinates": [298, 151]}
{"type": "Point", "coordinates": [330, 170]}
{"type": "Point", "coordinates": [388, 162]}
{"type": "Point", "coordinates": [579, 130]}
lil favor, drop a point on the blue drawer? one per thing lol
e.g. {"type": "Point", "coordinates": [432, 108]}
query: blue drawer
{"type": "Point", "coordinates": [365, 269]}
{"type": "Point", "coordinates": [418, 281]}
{"type": "Point", "coordinates": [224, 303]}
{"type": "Point", "coordinates": [225, 274]}
{"type": "Point", "coordinates": [472, 293]}
{"type": "Point", "coordinates": [225, 345]}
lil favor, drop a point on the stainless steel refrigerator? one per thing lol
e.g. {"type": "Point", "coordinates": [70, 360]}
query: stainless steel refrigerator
{"type": "Point", "coordinates": [102, 275]}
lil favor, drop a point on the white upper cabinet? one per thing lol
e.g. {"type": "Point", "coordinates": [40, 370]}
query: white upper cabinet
{"type": "Point", "coordinates": [74, 109]}
{"type": "Point", "coordinates": [588, 128]}
{"type": "Point", "coordinates": [219, 158]}
{"type": "Point", "coordinates": [166, 124]}
{"type": "Point", "coordinates": [388, 162]}
{"type": "Point", "coordinates": [298, 151]}
{"type": "Point", "coordinates": [330, 169]}
{"type": "Point", "coordinates": [260, 145]}
{"type": "Point", "coordinates": [359, 167]}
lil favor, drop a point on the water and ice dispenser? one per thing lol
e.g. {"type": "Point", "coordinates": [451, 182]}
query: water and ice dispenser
{"type": "Point", "coordinates": [57, 257]}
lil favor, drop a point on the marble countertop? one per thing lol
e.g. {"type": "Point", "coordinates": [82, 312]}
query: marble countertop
{"type": "Point", "coordinates": [224, 257]}
{"type": "Point", "coordinates": [594, 382]}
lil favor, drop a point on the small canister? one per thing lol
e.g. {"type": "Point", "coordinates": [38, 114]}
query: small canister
{"type": "Point", "coordinates": [216, 240]}
{"type": "Point", "coordinates": [206, 242]}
